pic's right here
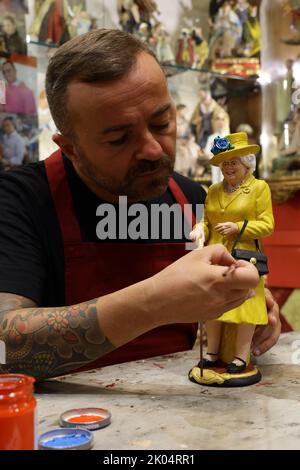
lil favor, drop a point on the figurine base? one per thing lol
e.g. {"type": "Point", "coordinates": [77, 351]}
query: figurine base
{"type": "Point", "coordinates": [218, 377]}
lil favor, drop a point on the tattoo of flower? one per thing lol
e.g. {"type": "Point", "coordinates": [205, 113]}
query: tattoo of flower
{"type": "Point", "coordinates": [58, 321]}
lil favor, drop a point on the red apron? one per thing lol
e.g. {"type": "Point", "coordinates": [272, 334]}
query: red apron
{"type": "Point", "coordinates": [96, 269]}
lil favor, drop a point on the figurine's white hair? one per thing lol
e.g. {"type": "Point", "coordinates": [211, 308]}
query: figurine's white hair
{"type": "Point", "coordinates": [249, 161]}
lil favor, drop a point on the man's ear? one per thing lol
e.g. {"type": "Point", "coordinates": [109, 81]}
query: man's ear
{"type": "Point", "coordinates": [66, 147]}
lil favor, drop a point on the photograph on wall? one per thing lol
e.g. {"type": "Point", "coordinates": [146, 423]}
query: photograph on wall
{"type": "Point", "coordinates": [18, 140]}
{"type": "Point", "coordinates": [20, 80]}
{"type": "Point", "coordinates": [12, 33]}
{"type": "Point", "coordinates": [18, 112]}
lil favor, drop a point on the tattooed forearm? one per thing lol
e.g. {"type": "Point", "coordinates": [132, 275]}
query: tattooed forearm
{"type": "Point", "coordinates": [46, 342]}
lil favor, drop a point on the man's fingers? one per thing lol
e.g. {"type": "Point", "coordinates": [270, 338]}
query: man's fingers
{"type": "Point", "coordinates": [266, 336]}
{"type": "Point", "coordinates": [264, 342]}
{"type": "Point", "coordinates": [245, 275]}
{"type": "Point", "coordinates": [237, 301]}
{"type": "Point", "coordinates": [216, 254]}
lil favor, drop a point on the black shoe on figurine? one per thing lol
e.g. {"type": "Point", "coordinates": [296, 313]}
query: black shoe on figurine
{"type": "Point", "coordinates": [233, 368]}
{"type": "Point", "coordinates": [207, 363]}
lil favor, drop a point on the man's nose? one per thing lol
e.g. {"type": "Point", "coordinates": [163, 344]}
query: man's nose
{"type": "Point", "coordinates": [148, 148]}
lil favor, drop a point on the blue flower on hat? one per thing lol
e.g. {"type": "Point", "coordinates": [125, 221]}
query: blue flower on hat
{"type": "Point", "coordinates": [221, 144]}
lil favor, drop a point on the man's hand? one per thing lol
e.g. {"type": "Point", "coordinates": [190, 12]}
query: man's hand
{"type": "Point", "coordinates": [266, 336]}
{"type": "Point", "coordinates": [227, 228]}
{"type": "Point", "coordinates": [194, 288]}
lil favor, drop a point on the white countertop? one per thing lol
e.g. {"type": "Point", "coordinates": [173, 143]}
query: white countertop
{"type": "Point", "coordinates": [155, 406]}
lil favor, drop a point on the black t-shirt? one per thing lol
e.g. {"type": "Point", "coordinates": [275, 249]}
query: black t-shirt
{"type": "Point", "coordinates": [31, 246]}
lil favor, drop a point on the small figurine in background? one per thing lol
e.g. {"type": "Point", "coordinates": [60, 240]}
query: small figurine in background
{"type": "Point", "coordinates": [143, 33]}
{"type": "Point", "coordinates": [200, 48]}
{"type": "Point", "coordinates": [129, 16]}
{"type": "Point", "coordinates": [185, 49]}
{"type": "Point", "coordinates": [187, 154]}
{"type": "Point", "coordinates": [187, 150]}
{"type": "Point", "coordinates": [252, 33]}
{"type": "Point", "coordinates": [134, 12]}
{"type": "Point", "coordinates": [242, 10]}
{"type": "Point", "coordinates": [148, 11]}
{"type": "Point", "coordinates": [239, 198]}
{"type": "Point", "coordinates": [50, 22]}
{"type": "Point", "coordinates": [182, 123]}
{"type": "Point", "coordinates": [292, 7]}
{"type": "Point", "coordinates": [163, 50]}
{"type": "Point", "coordinates": [226, 34]}
{"type": "Point", "coordinates": [295, 14]}
{"type": "Point", "coordinates": [201, 121]}
{"type": "Point", "coordinates": [214, 7]}
{"type": "Point", "coordinates": [81, 21]}
{"type": "Point", "coordinates": [293, 130]}
{"type": "Point", "coordinates": [221, 127]}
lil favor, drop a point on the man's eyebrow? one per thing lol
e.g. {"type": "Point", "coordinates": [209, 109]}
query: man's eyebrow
{"type": "Point", "coordinates": [117, 128]}
{"type": "Point", "coordinates": [161, 110]}
{"type": "Point", "coordinates": [122, 127]}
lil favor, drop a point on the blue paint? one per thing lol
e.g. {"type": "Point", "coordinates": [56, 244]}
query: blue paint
{"type": "Point", "coordinates": [71, 438]}
{"type": "Point", "coordinates": [67, 441]}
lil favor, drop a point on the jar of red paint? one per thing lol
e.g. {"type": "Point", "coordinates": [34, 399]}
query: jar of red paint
{"type": "Point", "coordinates": [17, 412]}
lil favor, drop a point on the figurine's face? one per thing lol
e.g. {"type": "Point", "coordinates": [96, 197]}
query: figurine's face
{"type": "Point", "coordinates": [205, 96]}
{"type": "Point", "coordinates": [227, 8]}
{"type": "Point", "coordinates": [126, 133]}
{"type": "Point", "coordinates": [234, 171]}
{"type": "Point", "coordinates": [253, 11]}
{"type": "Point", "coordinates": [219, 122]}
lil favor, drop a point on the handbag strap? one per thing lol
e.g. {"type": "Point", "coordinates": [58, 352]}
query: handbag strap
{"type": "Point", "coordinates": [240, 236]}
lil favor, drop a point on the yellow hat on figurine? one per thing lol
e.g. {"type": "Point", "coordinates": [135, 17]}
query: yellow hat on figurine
{"type": "Point", "coordinates": [232, 146]}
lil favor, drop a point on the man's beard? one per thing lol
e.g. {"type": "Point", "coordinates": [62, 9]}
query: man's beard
{"type": "Point", "coordinates": [135, 188]}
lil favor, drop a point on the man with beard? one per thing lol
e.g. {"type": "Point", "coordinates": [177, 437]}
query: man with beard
{"type": "Point", "coordinates": [69, 299]}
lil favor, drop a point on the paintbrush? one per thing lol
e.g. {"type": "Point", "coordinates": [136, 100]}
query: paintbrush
{"type": "Point", "coordinates": [201, 349]}
{"type": "Point", "coordinates": [230, 269]}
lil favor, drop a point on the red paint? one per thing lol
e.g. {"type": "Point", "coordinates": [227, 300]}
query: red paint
{"type": "Point", "coordinates": [17, 405]}
{"type": "Point", "coordinates": [110, 385]}
{"type": "Point", "coordinates": [85, 418]}
{"type": "Point", "coordinates": [261, 384]}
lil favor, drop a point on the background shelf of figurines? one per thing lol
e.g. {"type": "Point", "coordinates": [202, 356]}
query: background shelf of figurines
{"type": "Point", "coordinates": [231, 65]}
{"type": "Point", "coordinates": [207, 52]}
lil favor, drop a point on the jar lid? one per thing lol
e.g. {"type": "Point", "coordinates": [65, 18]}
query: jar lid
{"type": "Point", "coordinates": [12, 381]}
{"type": "Point", "coordinates": [66, 439]}
{"type": "Point", "coordinates": [14, 387]}
{"type": "Point", "coordinates": [86, 418]}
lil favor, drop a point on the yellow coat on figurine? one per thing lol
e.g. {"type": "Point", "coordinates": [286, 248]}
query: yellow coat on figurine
{"type": "Point", "coordinates": [251, 202]}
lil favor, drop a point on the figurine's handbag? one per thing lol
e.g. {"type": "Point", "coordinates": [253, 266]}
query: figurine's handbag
{"type": "Point", "coordinates": [257, 258]}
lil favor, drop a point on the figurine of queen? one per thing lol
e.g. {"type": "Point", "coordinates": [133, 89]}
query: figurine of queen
{"type": "Point", "coordinates": [238, 198]}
